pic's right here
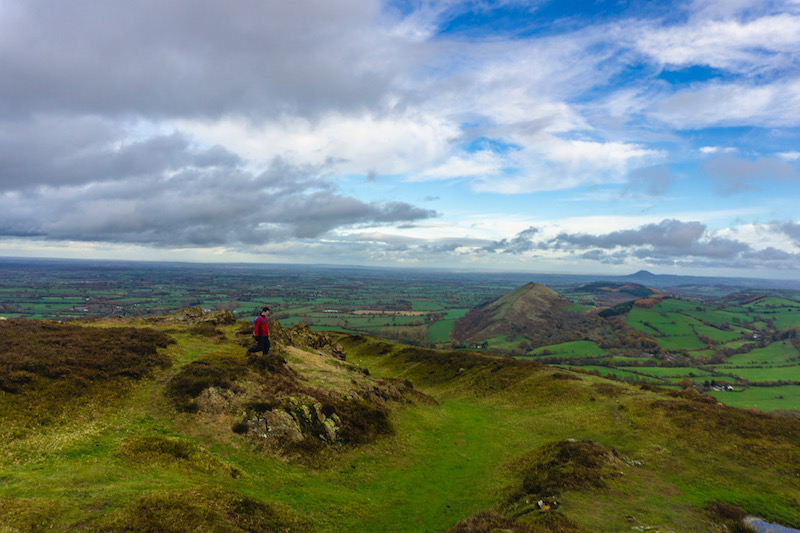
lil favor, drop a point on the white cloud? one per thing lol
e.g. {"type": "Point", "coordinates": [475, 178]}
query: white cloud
{"type": "Point", "coordinates": [475, 165]}
{"type": "Point", "coordinates": [555, 164]}
{"type": "Point", "coordinates": [732, 104]}
{"type": "Point", "coordinates": [354, 143]}
{"type": "Point", "coordinates": [222, 126]}
{"type": "Point", "coordinates": [706, 150]}
{"type": "Point", "coordinates": [749, 46]}
{"type": "Point", "coordinates": [760, 236]}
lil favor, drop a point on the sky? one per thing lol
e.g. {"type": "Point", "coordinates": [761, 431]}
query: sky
{"type": "Point", "coordinates": [529, 136]}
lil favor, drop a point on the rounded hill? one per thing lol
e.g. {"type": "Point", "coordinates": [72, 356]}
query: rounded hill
{"type": "Point", "coordinates": [534, 311]}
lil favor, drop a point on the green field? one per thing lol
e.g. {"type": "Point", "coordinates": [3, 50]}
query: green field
{"type": "Point", "coordinates": [571, 349]}
{"type": "Point", "coordinates": [777, 353]}
{"type": "Point", "coordinates": [761, 398]}
{"type": "Point", "coordinates": [767, 374]}
{"type": "Point", "coordinates": [671, 372]}
{"type": "Point", "coordinates": [439, 331]}
{"type": "Point", "coordinates": [616, 373]}
{"type": "Point", "coordinates": [681, 342]}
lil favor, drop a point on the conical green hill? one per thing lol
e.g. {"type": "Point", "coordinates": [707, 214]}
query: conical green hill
{"type": "Point", "coordinates": [528, 311]}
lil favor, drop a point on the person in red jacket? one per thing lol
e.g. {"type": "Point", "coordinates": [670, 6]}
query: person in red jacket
{"type": "Point", "coordinates": [261, 333]}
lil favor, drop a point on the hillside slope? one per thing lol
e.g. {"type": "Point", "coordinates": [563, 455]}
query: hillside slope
{"type": "Point", "coordinates": [534, 311]}
{"type": "Point", "coordinates": [179, 431]}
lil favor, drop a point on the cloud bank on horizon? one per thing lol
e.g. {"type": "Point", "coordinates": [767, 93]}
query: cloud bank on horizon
{"type": "Point", "coordinates": [602, 136]}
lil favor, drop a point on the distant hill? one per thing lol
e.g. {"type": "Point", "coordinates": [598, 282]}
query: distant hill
{"type": "Point", "coordinates": [534, 311]}
{"type": "Point", "coordinates": [670, 281]}
{"type": "Point", "coordinates": [620, 291]}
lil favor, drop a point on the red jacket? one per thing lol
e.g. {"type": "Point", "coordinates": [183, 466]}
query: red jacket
{"type": "Point", "coordinates": [261, 327]}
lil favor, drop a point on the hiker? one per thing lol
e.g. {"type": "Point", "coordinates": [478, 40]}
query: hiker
{"type": "Point", "coordinates": [261, 333]}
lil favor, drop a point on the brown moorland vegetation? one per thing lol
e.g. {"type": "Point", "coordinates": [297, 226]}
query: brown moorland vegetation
{"type": "Point", "coordinates": [31, 351]}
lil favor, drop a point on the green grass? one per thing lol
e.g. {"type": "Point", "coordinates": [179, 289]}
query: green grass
{"type": "Point", "coordinates": [571, 349]}
{"type": "Point", "coordinates": [780, 352]}
{"type": "Point", "coordinates": [615, 373]}
{"type": "Point", "coordinates": [773, 374]}
{"type": "Point", "coordinates": [505, 343]}
{"type": "Point", "coordinates": [784, 397]}
{"type": "Point", "coordinates": [430, 306]}
{"type": "Point", "coordinates": [679, 325]}
{"type": "Point", "coordinates": [672, 372]}
{"type": "Point", "coordinates": [128, 460]}
{"type": "Point", "coordinates": [440, 330]}
{"type": "Point", "coordinates": [720, 335]}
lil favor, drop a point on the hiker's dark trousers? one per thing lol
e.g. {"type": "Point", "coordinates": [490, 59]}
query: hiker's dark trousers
{"type": "Point", "coordinates": [261, 346]}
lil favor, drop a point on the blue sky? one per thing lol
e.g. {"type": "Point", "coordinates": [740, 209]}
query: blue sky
{"type": "Point", "coordinates": [545, 136]}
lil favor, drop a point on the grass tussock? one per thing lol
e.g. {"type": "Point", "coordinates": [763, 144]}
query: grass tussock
{"type": "Point", "coordinates": [208, 330]}
{"type": "Point", "coordinates": [362, 421]}
{"type": "Point", "coordinates": [730, 516]}
{"type": "Point", "coordinates": [488, 521]}
{"type": "Point", "coordinates": [537, 522]}
{"type": "Point", "coordinates": [34, 350]}
{"type": "Point", "coordinates": [32, 515]}
{"type": "Point", "coordinates": [609, 390]}
{"type": "Point", "coordinates": [171, 452]}
{"type": "Point", "coordinates": [568, 465]}
{"type": "Point", "coordinates": [213, 370]}
{"type": "Point", "coordinates": [202, 509]}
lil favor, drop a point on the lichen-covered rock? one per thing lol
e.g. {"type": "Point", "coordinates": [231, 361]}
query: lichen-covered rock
{"type": "Point", "coordinates": [281, 424]}
{"type": "Point", "coordinates": [214, 400]}
{"type": "Point", "coordinates": [297, 419]}
{"type": "Point", "coordinates": [312, 419]}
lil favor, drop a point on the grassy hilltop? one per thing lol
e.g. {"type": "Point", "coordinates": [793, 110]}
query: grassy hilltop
{"type": "Point", "coordinates": [164, 424]}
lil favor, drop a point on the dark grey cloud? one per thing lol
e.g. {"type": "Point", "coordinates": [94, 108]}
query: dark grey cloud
{"type": "Point", "coordinates": [521, 243]}
{"type": "Point", "coordinates": [733, 174]}
{"type": "Point", "coordinates": [602, 256]}
{"type": "Point", "coordinates": [669, 242]}
{"type": "Point", "coordinates": [788, 228]}
{"type": "Point", "coordinates": [669, 239]}
{"type": "Point", "coordinates": [209, 201]}
{"type": "Point", "coordinates": [60, 151]}
{"type": "Point", "coordinates": [189, 58]}
{"type": "Point", "coordinates": [667, 234]}
{"type": "Point", "coordinates": [771, 255]}
{"type": "Point", "coordinates": [715, 248]}
{"type": "Point", "coordinates": [83, 83]}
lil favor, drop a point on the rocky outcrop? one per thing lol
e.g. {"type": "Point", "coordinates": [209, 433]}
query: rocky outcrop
{"type": "Point", "coordinates": [198, 315]}
{"type": "Point", "coordinates": [298, 418]}
{"type": "Point", "coordinates": [302, 336]}
{"type": "Point", "coordinates": [215, 400]}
